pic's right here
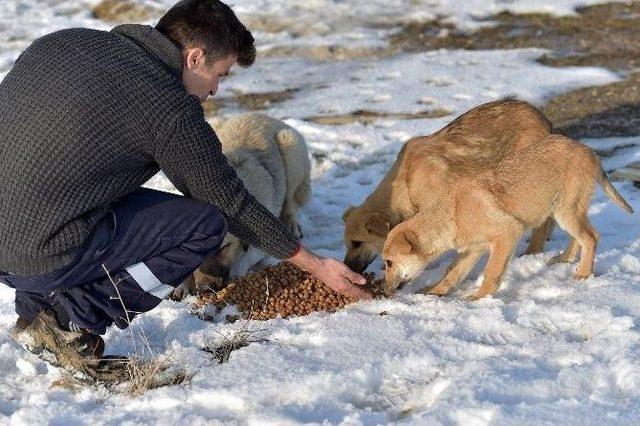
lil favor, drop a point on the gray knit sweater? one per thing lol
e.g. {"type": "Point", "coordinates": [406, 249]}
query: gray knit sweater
{"type": "Point", "coordinates": [88, 116]}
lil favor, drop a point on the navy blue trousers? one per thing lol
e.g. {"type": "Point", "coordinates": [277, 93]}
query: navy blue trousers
{"type": "Point", "coordinates": [149, 243]}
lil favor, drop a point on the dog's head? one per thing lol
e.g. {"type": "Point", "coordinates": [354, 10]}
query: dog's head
{"type": "Point", "coordinates": [364, 235]}
{"type": "Point", "coordinates": [407, 251]}
{"type": "Point", "coordinates": [220, 264]}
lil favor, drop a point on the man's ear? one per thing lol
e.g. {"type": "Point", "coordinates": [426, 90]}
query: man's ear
{"type": "Point", "coordinates": [377, 224]}
{"type": "Point", "coordinates": [193, 57]}
{"type": "Point", "coordinates": [347, 212]}
{"type": "Point", "coordinates": [408, 242]}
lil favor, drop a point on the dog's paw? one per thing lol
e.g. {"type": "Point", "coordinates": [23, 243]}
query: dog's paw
{"type": "Point", "coordinates": [580, 277]}
{"type": "Point", "coordinates": [476, 296]}
{"type": "Point", "coordinates": [437, 290]}
{"type": "Point", "coordinates": [471, 298]}
{"type": "Point", "coordinates": [560, 258]}
{"type": "Point", "coordinates": [181, 292]}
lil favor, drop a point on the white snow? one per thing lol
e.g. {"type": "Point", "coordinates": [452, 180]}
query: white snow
{"type": "Point", "coordinates": [544, 350]}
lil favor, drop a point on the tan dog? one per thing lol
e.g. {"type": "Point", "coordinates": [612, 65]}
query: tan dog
{"type": "Point", "coordinates": [427, 166]}
{"type": "Point", "coordinates": [272, 160]}
{"type": "Point", "coordinates": [553, 177]}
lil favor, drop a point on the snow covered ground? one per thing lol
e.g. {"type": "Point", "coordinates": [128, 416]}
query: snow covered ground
{"type": "Point", "coordinates": [544, 350]}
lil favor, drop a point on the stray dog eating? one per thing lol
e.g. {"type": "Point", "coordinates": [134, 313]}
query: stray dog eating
{"type": "Point", "coordinates": [272, 160]}
{"type": "Point", "coordinates": [427, 166]}
{"type": "Point", "coordinates": [489, 213]}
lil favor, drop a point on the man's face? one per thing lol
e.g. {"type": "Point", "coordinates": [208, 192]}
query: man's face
{"type": "Point", "coordinates": [201, 78]}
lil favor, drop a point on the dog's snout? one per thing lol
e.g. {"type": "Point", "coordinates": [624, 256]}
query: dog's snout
{"type": "Point", "coordinates": [357, 265]}
{"type": "Point", "coordinates": [390, 287]}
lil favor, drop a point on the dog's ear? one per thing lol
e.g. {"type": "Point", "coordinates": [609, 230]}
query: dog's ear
{"type": "Point", "coordinates": [408, 242]}
{"type": "Point", "coordinates": [377, 224]}
{"type": "Point", "coordinates": [347, 212]}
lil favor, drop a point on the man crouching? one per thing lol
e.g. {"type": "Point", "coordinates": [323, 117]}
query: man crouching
{"type": "Point", "coordinates": [86, 117]}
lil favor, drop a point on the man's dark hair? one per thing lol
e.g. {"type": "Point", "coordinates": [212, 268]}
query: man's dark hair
{"type": "Point", "coordinates": [210, 25]}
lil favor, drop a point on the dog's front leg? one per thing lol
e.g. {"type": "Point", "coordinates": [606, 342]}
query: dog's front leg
{"type": "Point", "coordinates": [500, 254]}
{"type": "Point", "coordinates": [456, 272]}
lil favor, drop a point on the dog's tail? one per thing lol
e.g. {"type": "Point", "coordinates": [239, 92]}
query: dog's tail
{"type": "Point", "coordinates": [612, 192]}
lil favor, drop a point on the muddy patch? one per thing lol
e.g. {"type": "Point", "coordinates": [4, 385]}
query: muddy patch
{"type": "Point", "coordinates": [123, 11]}
{"type": "Point", "coordinates": [260, 101]}
{"type": "Point", "coordinates": [599, 111]}
{"type": "Point", "coordinates": [247, 101]}
{"type": "Point", "coordinates": [369, 116]}
{"type": "Point", "coordinates": [327, 52]}
{"type": "Point", "coordinates": [606, 35]}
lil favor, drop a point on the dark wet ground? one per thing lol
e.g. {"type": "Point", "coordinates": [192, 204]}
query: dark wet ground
{"type": "Point", "coordinates": [605, 35]}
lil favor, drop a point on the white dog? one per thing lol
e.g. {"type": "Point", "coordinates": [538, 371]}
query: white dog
{"type": "Point", "coordinates": [272, 160]}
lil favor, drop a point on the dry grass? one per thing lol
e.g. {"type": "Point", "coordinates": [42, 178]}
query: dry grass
{"type": "Point", "coordinates": [146, 374]}
{"type": "Point", "coordinates": [221, 349]}
{"type": "Point", "coordinates": [136, 374]}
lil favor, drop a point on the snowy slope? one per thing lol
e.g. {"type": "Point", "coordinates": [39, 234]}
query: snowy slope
{"type": "Point", "coordinates": [544, 350]}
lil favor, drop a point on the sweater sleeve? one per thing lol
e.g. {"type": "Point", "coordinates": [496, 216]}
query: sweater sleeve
{"type": "Point", "coordinates": [193, 161]}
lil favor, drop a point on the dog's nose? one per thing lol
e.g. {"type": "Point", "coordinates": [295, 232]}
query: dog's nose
{"type": "Point", "coordinates": [356, 265]}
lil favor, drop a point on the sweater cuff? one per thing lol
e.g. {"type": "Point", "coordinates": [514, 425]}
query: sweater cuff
{"type": "Point", "coordinates": [295, 251]}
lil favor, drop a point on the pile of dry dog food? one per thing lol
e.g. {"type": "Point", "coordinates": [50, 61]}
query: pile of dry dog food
{"type": "Point", "coordinates": [282, 290]}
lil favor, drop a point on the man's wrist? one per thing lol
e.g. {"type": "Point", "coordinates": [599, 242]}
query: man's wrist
{"type": "Point", "coordinates": [304, 259]}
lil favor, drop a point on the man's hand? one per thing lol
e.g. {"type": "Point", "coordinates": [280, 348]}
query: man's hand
{"type": "Point", "coordinates": [333, 273]}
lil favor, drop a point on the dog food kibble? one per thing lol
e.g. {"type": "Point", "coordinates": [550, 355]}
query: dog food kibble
{"type": "Point", "coordinates": [282, 290]}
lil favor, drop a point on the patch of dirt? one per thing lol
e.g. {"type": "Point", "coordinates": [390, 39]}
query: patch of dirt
{"type": "Point", "coordinates": [259, 101]}
{"type": "Point", "coordinates": [292, 25]}
{"type": "Point", "coordinates": [247, 101]}
{"type": "Point", "coordinates": [327, 53]}
{"type": "Point", "coordinates": [598, 111]}
{"type": "Point", "coordinates": [606, 35]}
{"type": "Point", "coordinates": [124, 11]}
{"type": "Point", "coordinates": [368, 116]}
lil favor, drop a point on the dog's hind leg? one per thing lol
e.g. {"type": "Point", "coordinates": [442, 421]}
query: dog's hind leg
{"type": "Point", "coordinates": [292, 203]}
{"type": "Point", "coordinates": [569, 255]}
{"type": "Point", "coordinates": [456, 272]}
{"type": "Point", "coordinates": [575, 221]}
{"type": "Point", "coordinates": [298, 171]}
{"type": "Point", "coordinates": [289, 213]}
{"type": "Point", "coordinates": [289, 216]}
{"type": "Point", "coordinates": [501, 251]}
{"type": "Point", "coordinates": [539, 237]}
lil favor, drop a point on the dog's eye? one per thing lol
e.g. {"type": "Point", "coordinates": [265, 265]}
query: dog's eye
{"type": "Point", "coordinates": [356, 244]}
{"type": "Point", "coordinates": [388, 264]}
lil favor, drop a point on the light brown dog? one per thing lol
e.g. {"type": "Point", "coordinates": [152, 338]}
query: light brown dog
{"type": "Point", "coordinates": [427, 166]}
{"type": "Point", "coordinates": [553, 177]}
